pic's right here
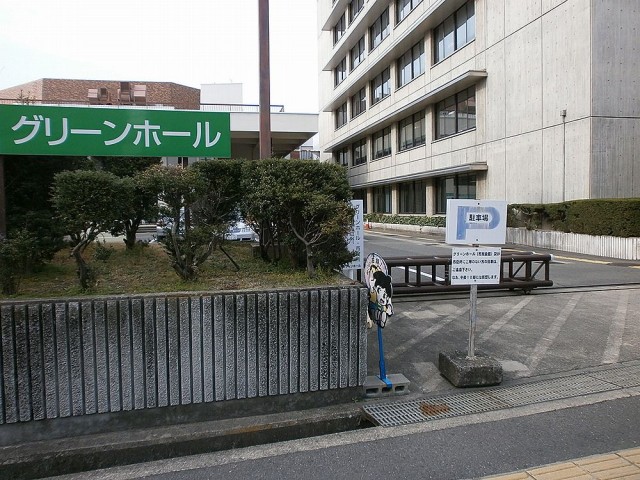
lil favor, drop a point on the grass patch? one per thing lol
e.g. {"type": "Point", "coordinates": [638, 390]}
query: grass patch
{"type": "Point", "coordinates": [147, 269]}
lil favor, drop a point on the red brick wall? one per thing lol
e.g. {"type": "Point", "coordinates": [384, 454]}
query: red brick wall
{"type": "Point", "coordinates": [67, 90]}
{"type": "Point", "coordinates": [31, 89]}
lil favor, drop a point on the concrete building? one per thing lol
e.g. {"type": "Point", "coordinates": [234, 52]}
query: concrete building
{"type": "Point", "coordinates": [528, 101]}
{"type": "Point", "coordinates": [288, 130]}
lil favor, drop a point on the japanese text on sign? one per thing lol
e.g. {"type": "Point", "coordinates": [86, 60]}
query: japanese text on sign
{"type": "Point", "coordinates": [475, 265]}
{"type": "Point", "coordinates": [47, 130]}
{"type": "Point", "coordinates": [355, 238]}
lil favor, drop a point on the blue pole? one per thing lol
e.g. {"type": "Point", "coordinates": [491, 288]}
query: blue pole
{"type": "Point", "coordinates": [383, 371]}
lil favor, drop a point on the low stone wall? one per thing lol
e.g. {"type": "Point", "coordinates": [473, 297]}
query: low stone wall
{"type": "Point", "coordinates": [66, 358]}
{"type": "Point", "coordinates": [602, 246]}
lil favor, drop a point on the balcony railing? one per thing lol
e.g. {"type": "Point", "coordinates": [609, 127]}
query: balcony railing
{"type": "Point", "coordinates": [205, 107]}
{"type": "Point", "coordinates": [237, 107]}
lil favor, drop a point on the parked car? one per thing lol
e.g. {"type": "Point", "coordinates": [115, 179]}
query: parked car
{"type": "Point", "coordinates": [241, 231]}
{"type": "Point", "coordinates": [164, 224]}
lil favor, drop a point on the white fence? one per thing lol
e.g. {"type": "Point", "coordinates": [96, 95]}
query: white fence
{"type": "Point", "coordinates": [601, 246]}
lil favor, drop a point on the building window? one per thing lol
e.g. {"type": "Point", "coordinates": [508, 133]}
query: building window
{"type": "Point", "coordinates": [342, 157]}
{"type": "Point", "coordinates": [361, 194]}
{"type": "Point", "coordinates": [411, 64]}
{"type": "Point", "coordinates": [340, 72]}
{"type": "Point", "coordinates": [339, 29]}
{"type": "Point", "coordinates": [404, 8]}
{"type": "Point", "coordinates": [341, 115]}
{"type": "Point", "coordinates": [411, 131]}
{"type": "Point", "coordinates": [359, 152]}
{"type": "Point", "coordinates": [359, 103]}
{"type": "Point", "coordinates": [379, 30]}
{"type": "Point", "coordinates": [457, 186]}
{"type": "Point", "coordinates": [382, 199]}
{"type": "Point", "coordinates": [357, 53]}
{"type": "Point", "coordinates": [456, 113]}
{"type": "Point", "coordinates": [381, 86]}
{"type": "Point", "coordinates": [381, 143]}
{"type": "Point", "coordinates": [455, 32]}
{"type": "Point", "coordinates": [413, 197]}
{"type": "Point", "coordinates": [355, 6]}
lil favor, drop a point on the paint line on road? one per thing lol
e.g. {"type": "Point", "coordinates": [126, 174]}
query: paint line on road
{"type": "Point", "coordinates": [422, 274]}
{"type": "Point", "coordinates": [497, 325]}
{"type": "Point", "coordinates": [552, 333]}
{"type": "Point", "coordinates": [616, 331]}
{"type": "Point", "coordinates": [584, 260]}
{"type": "Point", "coordinates": [409, 344]}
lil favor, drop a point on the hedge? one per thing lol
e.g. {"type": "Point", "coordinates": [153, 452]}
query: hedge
{"type": "Point", "coordinates": [618, 217]}
{"type": "Point", "coordinates": [422, 221]}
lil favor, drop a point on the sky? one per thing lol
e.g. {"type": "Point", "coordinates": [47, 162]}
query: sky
{"type": "Point", "coordinates": [190, 42]}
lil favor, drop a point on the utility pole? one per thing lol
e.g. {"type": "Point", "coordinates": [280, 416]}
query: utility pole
{"type": "Point", "coordinates": [3, 202]}
{"type": "Point", "coordinates": [265, 79]}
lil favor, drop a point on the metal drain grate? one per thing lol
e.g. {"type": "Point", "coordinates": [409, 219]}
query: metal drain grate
{"type": "Point", "coordinates": [625, 377]}
{"type": "Point", "coordinates": [556, 389]}
{"type": "Point", "coordinates": [395, 414]}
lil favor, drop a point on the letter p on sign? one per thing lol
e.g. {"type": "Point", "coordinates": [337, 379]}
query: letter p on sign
{"type": "Point", "coordinates": [475, 222]}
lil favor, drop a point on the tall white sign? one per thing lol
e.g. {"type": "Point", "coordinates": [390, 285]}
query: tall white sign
{"type": "Point", "coordinates": [355, 238]}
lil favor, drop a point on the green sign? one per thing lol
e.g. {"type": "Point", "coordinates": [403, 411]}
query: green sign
{"type": "Point", "coordinates": [105, 131]}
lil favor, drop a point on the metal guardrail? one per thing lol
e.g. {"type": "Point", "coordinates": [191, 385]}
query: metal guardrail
{"type": "Point", "coordinates": [431, 274]}
{"type": "Point", "coordinates": [205, 107]}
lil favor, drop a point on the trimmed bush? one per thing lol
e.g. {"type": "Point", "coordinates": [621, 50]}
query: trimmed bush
{"type": "Point", "coordinates": [610, 217]}
{"type": "Point", "coordinates": [422, 221]}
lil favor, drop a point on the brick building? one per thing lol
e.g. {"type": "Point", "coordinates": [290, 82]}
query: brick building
{"type": "Point", "coordinates": [107, 92]}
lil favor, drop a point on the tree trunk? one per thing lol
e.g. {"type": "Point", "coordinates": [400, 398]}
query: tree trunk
{"type": "Point", "coordinates": [130, 231]}
{"type": "Point", "coordinates": [83, 269]}
{"type": "Point", "coordinates": [311, 269]}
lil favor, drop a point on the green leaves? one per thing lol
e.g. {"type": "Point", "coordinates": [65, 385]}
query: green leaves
{"type": "Point", "coordinates": [304, 204]}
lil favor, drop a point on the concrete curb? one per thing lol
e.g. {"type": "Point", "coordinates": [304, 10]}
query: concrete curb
{"type": "Point", "coordinates": [89, 452]}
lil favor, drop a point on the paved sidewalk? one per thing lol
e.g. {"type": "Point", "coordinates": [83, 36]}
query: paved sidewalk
{"type": "Point", "coordinates": [624, 464]}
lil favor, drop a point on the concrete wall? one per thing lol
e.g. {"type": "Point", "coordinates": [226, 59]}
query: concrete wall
{"type": "Point", "coordinates": [100, 355]}
{"type": "Point", "coordinates": [556, 115]}
{"type": "Point", "coordinates": [616, 102]}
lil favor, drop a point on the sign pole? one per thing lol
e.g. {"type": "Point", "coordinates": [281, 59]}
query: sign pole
{"type": "Point", "coordinates": [471, 352]}
{"type": "Point", "coordinates": [265, 80]}
{"type": "Point", "coordinates": [3, 202]}
{"type": "Point", "coordinates": [383, 369]}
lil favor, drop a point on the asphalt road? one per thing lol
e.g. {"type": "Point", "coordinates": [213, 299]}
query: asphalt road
{"type": "Point", "coordinates": [457, 448]}
{"type": "Point", "coordinates": [567, 269]}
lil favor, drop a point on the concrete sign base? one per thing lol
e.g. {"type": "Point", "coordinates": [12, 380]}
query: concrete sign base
{"type": "Point", "coordinates": [374, 387]}
{"type": "Point", "coordinates": [477, 371]}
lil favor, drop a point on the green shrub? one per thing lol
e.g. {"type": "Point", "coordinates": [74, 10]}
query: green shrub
{"type": "Point", "coordinates": [303, 207]}
{"type": "Point", "coordinates": [611, 217]}
{"type": "Point", "coordinates": [17, 256]}
{"type": "Point", "coordinates": [420, 220]}
{"type": "Point", "coordinates": [102, 253]}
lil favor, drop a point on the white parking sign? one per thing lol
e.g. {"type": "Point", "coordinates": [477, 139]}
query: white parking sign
{"type": "Point", "coordinates": [473, 222]}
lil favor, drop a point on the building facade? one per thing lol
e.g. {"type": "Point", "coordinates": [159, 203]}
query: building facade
{"type": "Point", "coordinates": [528, 101]}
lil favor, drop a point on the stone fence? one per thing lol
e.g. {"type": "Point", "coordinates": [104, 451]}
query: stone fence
{"type": "Point", "coordinates": [602, 246]}
{"type": "Point", "coordinates": [68, 358]}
